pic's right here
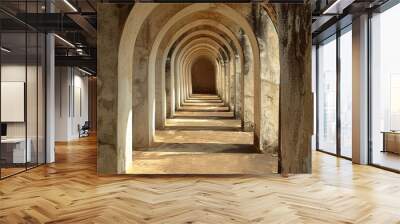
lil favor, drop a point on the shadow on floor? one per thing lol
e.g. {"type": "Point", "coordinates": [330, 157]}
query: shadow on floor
{"type": "Point", "coordinates": [205, 148]}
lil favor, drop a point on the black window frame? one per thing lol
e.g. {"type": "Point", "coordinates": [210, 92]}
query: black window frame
{"type": "Point", "coordinates": [339, 32]}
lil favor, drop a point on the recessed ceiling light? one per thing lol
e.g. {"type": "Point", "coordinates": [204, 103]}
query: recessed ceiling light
{"type": "Point", "coordinates": [64, 40]}
{"type": "Point", "coordinates": [85, 72]}
{"type": "Point", "coordinates": [337, 7]}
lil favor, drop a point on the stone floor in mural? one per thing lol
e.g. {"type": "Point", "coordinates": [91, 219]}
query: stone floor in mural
{"type": "Point", "coordinates": [203, 137]}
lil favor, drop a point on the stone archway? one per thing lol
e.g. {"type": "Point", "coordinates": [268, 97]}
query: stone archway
{"type": "Point", "coordinates": [144, 58]}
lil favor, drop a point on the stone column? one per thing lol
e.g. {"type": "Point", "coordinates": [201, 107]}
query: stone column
{"type": "Point", "coordinates": [266, 99]}
{"type": "Point", "coordinates": [110, 21]}
{"type": "Point", "coordinates": [248, 85]}
{"type": "Point", "coordinates": [177, 89]}
{"type": "Point", "coordinates": [227, 83]}
{"type": "Point", "coordinates": [143, 90]}
{"type": "Point", "coordinates": [238, 87]}
{"type": "Point", "coordinates": [296, 102]}
{"type": "Point", "coordinates": [107, 57]}
{"type": "Point", "coordinates": [223, 80]}
{"type": "Point", "coordinates": [160, 95]}
{"type": "Point", "coordinates": [232, 84]}
{"type": "Point", "coordinates": [218, 77]}
{"type": "Point", "coordinates": [168, 89]}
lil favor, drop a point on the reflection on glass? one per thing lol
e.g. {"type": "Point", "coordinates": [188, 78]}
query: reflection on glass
{"type": "Point", "coordinates": [346, 94]}
{"type": "Point", "coordinates": [22, 91]}
{"type": "Point", "coordinates": [385, 84]}
{"type": "Point", "coordinates": [31, 101]}
{"type": "Point", "coordinates": [327, 96]}
{"type": "Point", "coordinates": [14, 153]}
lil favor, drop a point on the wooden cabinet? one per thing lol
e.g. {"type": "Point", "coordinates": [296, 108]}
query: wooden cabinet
{"type": "Point", "coordinates": [391, 142]}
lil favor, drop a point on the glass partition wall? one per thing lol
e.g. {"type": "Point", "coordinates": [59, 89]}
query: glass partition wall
{"type": "Point", "coordinates": [327, 78]}
{"type": "Point", "coordinates": [385, 89]}
{"type": "Point", "coordinates": [346, 95]}
{"type": "Point", "coordinates": [22, 88]}
{"type": "Point", "coordinates": [334, 94]}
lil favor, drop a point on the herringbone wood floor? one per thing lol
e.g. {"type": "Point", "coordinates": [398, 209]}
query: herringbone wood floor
{"type": "Point", "coordinates": [69, 191]}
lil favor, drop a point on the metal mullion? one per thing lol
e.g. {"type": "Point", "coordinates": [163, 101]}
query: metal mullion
{"type": "Point", "coordinates": [26, 87]}
{"type": "Point", "coordinates": [317, 97]}
{"type": "Point", "coordinates": [369, 91]}
{"type": "Point", "coordinates": [338, 98]}
{"type": "Point", "coordinates": [37, 91]}
{"type": "Point", "coordinates": [45, 91]}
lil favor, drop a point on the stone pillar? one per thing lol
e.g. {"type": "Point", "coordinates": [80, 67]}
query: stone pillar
{"type": "Point", "coordinates": [160, 96]}
{"type": "Point", "coordinates": [232, 84]}
{"type": "Point", "coordinates": [190, 87]}
{"type": "Point", "coordinates": [143, 91]}
{"type": "Point", "coordinates": [168, 89]}
{"type": "Point", "coordinates": [182, 83]}
{"type": "Point", "coordinates": [218, 77]}
{"type": "Point", "coordinates": [177, 89]}
{"type": "Point", "coordinates": [248, 85]}
{"type": "Point", "coordinates": [227, 82]}
{"type": "Point", "coordinates": [223, 80]}
{"type": "Point", "coordinates": [266, 99]}
{"type": "Point", "coordinates": [296, 102]}
{"type": "Point", "coordinates": [188, 81]}
{"type": "Point", "coordinates": [238, 87]}
{"type": "Point", "coordinates": [110, 21]}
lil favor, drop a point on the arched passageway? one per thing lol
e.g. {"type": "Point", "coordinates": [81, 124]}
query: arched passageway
{"type": "Point", "coordinates": [200, 78]}
{"type": "Point", "coordinates": [203, 76]}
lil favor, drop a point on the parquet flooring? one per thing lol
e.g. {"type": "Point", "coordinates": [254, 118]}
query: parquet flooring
{"type": "Point", "coordinates": [69, 191]}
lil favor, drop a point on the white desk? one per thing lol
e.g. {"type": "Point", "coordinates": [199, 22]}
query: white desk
{"type": "Point", "coordinates": [18, 149]}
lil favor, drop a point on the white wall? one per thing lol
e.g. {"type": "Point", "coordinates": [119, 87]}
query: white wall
{"type": "Point", "coordinates": [71, 102]}
{"type": "Point", "coordinates": [34, 126]}
{"type": "Point", "coordinates": [17, 73]}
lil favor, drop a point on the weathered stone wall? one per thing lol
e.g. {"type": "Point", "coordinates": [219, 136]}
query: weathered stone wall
{"type": "Point", "coordinates": [283, 75]}
{"type": "Point", "coordinates": [267, 123]}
